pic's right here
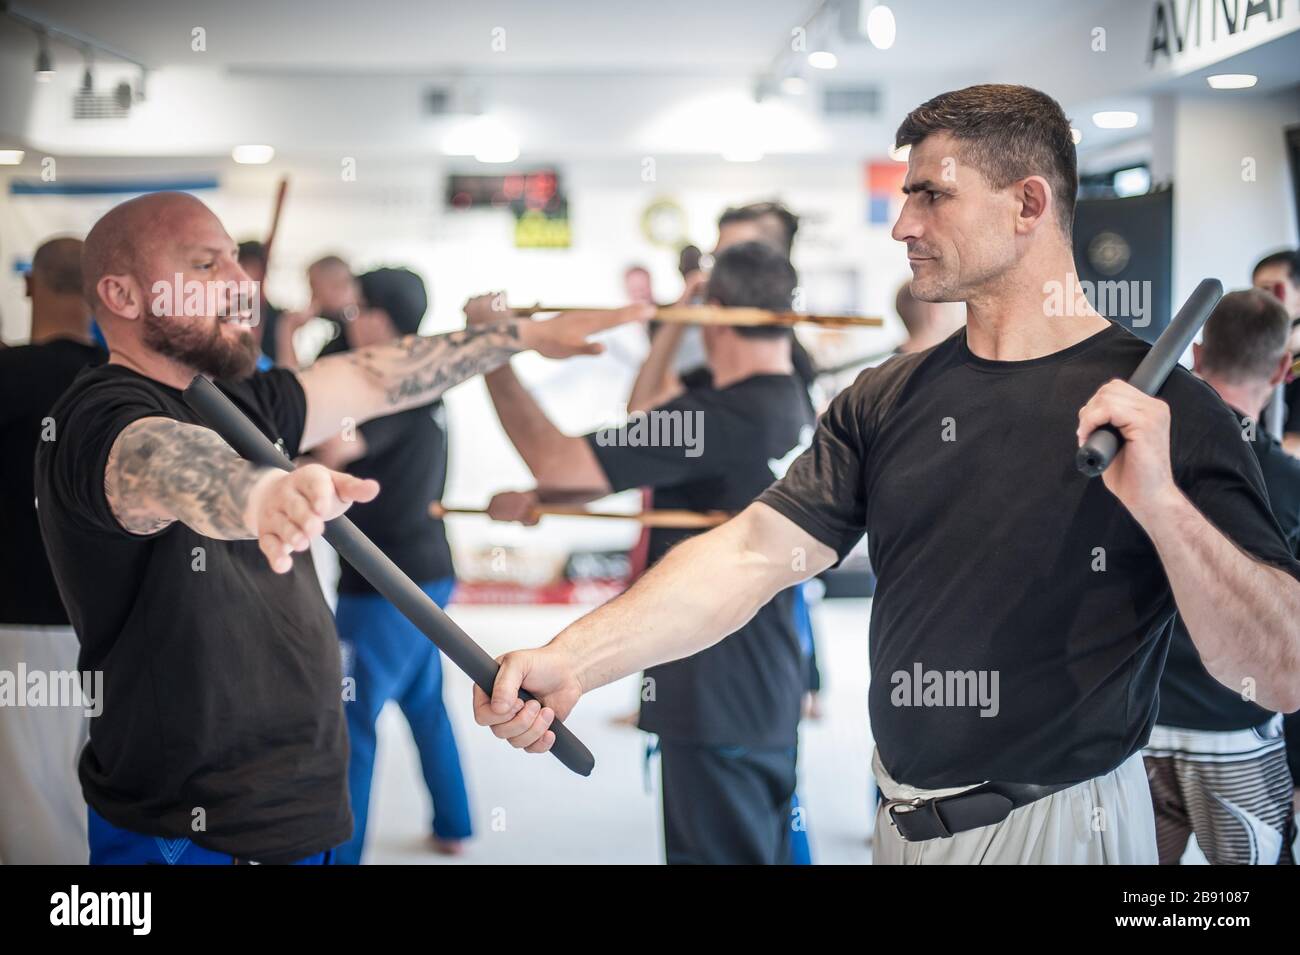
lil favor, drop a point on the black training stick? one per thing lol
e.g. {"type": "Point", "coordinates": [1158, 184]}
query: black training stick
{"type": "Point", "coordinates": [1095, 455]}
{"type": "Point", "coordinates": [370, 562]}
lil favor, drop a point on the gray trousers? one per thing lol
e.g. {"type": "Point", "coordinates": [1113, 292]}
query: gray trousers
{"type": "Point", "coordinates": [42, 812]}
{"type": "Point", "coordinates": [1104, 821]}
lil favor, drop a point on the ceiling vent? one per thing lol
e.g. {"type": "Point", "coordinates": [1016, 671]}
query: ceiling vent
{"type": "Point", "coordinates": [851, 101]}
{"type": "Point", "coordinates": [91, 105]}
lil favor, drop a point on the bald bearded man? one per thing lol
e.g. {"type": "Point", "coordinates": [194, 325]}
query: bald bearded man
{"type": "Point", "coordinates": [185, 568]}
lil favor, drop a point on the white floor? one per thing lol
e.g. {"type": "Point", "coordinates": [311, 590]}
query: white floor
{"type": "Point", "coordinates": [530, 809]}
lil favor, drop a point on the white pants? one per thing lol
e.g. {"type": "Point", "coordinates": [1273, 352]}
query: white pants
{"type": "Point", "coordinates": [42, 812]}
{"type": "Point", "coordinates": [1104, 821]}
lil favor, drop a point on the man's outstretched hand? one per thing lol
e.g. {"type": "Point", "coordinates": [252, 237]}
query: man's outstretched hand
{"type": "Point", "coordinates": [549, 675]}
{"type": "Point", "coordinates": [286, 510]}
{"type": "Point", "coordinates": [563, 336]}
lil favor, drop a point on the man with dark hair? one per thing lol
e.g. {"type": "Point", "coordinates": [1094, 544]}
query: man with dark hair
{"type": "Point", "coordinates": [775, 224]}
{"type": "Point", "coordinates": [384, 653]}
{"type": "Point", "coordinates": [1216, 759]}
{"type": "Point", "coordinates": [1022, 610]}
{"type": "Point", "coordinates": [1279, 275]}
{"type": "Point", "coordinates": [184, 568]}
{"type": "Point", "coordinates": [676, 361]}
{"type": "Point", "coordinates": [252, 259]}
{"type": "Point", "coordinates": [43, 820]}
{"type": "Point", "coordinates": [727, 719]}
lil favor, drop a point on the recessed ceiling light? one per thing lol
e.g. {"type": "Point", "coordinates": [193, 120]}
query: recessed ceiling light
{"type": "Point", "coordinates": [823, 60]}
{"type": "Point", "coordinates": [252, 155]}
{"type": "Point", "coordinates": [505, 150]}
{"type": "Point", "coordinates": [1115, 119]}
{"type": "Point", "coordinates": [11, 157]}
{"type": "Point", "coordinates": [1076, 135]}
{"type": "Point", "coordinates": [881, 28]}
{"type": "Point", "coordinates": [1232, 81]}
{"type": "Point", "coordinates": [900, 153]}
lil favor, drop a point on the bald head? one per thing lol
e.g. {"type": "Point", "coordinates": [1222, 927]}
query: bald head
{"type": "Point", "coordinates": [164, 279]}
{"type": "Point", "coordinates": [128, 236]}
{"type": "Point", "coordinates": [56, 266]}
{"type": "Point", "coordinates": [54, 286]}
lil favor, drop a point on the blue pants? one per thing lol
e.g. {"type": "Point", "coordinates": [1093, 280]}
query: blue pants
{"type": "Point", "coordinates": [800, 847]}
{"type": "Point", "coordinates": [391, 660]}
{"type": "Point", "coordinates": [110, 845]}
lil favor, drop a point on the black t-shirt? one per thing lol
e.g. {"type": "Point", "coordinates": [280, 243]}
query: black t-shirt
{"type": "Point", "coordinates": [997, 559]}
{"type": "Point", "coordinates": [1291, 398]}
{"type": "Point", "coordinates": [747, 689]}
{"type": "Point", "coordinates": [1189, 696]}
{"type": "Point", "coordinates": [407, 454]}
{"type": "Point", "coordinates": [31, 379]}
{"type": "Point", "coordinates": [221, 679]}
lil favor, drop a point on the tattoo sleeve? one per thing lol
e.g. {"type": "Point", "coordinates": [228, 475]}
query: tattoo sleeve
{"type": "Point", "coordinates": [418, 369]}
{"type": "Point", "coordinates": [160, 470]}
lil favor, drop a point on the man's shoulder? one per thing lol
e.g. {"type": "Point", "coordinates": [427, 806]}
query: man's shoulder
{"type": "Point", "coordinates": [96, 383]}
{"type": "Point", "coordinates": [887, 380]}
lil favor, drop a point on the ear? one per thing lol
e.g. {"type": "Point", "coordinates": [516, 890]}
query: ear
{"type": "Point", "coordinates": [1196, 357]}
{"type": "Point", "coordinates": [1282, 370]}
{"type": "Point", "coordinates": [121, 295]}
{"type": "Point", "coordinates": [1035, 197]}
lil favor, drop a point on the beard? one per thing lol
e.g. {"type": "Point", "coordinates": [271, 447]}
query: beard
{"type": "Point", "coordinates": [203, 347]}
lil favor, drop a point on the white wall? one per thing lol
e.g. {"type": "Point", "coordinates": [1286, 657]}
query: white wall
{"type": "Point", "coordinates": [1225, 221]}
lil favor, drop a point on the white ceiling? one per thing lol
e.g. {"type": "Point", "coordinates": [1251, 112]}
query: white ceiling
{"type": "Point", "coordinates": [550, 36]}
{"type": "Point", "coordinates": [576, 77]}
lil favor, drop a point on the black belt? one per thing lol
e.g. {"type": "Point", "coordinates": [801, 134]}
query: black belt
{"type": "Point", "coordinates": [919, 819]}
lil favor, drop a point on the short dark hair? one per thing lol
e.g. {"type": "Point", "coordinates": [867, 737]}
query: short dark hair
{"type": "Point", "coordinates": [252, 251]}
{"type": "Point", "coordinates": [57, 265]}
{"type": "Point", "coordinates": [754, 275]}
{"type": "Point", "coordinates": [1286, 257]}
{"type": "Point", "coordinates": [1245, 337]}
{"type": "Point", "coordinates": [757, 211]}
{"type": "Point", "coordinates": [1008, 133]}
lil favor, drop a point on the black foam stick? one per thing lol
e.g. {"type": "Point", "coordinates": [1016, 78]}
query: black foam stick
{"type": "Point", "coordinates": [221, 415]}
{"type": "Point", "coordinates": [1095, 454]}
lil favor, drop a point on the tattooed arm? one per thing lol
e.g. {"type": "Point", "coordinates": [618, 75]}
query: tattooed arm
{"type": "Point", "coordinates": [160, 471]}
{"type": "Point", "coordinates": [416, 370]}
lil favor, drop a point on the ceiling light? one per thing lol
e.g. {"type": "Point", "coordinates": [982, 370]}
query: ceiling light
{"type": "Point", "coordinates": [823, 60]}
{"type": "Point", "coordinates": [252, 154]}
{"type": "Point", "coordinates": [900, 153]}
{"type": "Point", "coordinates": [1115, 119]}
{"type": "Point", "coordinates": [11, 157]}
{"type": "Point", "coordinates": [483, 137]}
{"type": "Point", "coordinates": [1232, 81]}
{"type": "Point", "coordinates": [881, 27]}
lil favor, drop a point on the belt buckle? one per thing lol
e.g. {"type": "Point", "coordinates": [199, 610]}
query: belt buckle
{"type": "Point", "coordinates": [911, 806]}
